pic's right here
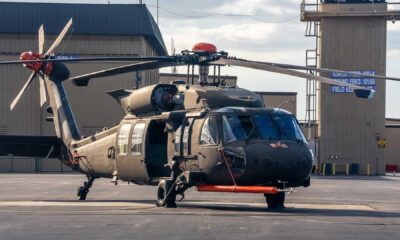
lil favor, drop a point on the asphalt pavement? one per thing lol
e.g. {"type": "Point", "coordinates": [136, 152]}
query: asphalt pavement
{"type": "Point", "coordinates": [45, 206]}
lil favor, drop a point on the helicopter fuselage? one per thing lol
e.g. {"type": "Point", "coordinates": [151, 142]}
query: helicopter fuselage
{"type": "Point", "coordinates": [245, 146]}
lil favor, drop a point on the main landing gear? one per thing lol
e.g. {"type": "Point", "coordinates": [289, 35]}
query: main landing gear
{"type": "Point", "coordinates": [168, 189]}
{"type": "Point", "coordinates": [84, 190]}
{"type": "Point", "coordinates": [166, 194]}
{"type": "Point", "coordinates": [275, 201]}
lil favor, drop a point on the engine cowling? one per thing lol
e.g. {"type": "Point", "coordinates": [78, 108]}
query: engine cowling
{"type": "Point", "coordinates": [153, 99]}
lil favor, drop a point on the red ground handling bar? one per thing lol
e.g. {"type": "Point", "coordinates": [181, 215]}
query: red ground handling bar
{"type": "Point", "coordinates": [237, 189]}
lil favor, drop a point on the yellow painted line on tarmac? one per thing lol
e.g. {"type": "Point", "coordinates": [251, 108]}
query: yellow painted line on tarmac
{"type": "Point", "coordinates": [357, 207]}
{"type": "Point", "coordinates": [199, 204]}
{"type": "Point", "coordinates": [73, 204]}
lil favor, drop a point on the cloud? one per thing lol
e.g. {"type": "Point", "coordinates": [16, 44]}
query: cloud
{"type": "Point", "coordinates": [232, 33]}
{"type": "Point", "coordinates": [248, 37]}
{"type": "Point", "coordinates": [255, 7]}
{"type": "Point", "coordinates": [393, 27]}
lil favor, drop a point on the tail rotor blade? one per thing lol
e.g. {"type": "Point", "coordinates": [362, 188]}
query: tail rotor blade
{"type": "Point", "coordinates": [59, 38]}
{"type": "Point", "coordinates": [41, 39]}
{"type": "Point", "coordinates": [22, 90]}
{"type": "Point", "coordinates": [43, 97]}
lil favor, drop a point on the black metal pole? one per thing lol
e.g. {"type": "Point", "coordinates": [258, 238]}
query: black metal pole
{"type": "Point", "coordinates": [192, 74]}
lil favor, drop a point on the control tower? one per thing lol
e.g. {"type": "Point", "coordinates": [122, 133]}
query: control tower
{"type": "Point", "coordinates": [351, 35]}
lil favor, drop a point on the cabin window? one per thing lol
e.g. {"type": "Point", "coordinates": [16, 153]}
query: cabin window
{"type": "Point", "coordinates": [209, 132]}
{"type": "Point", "coordinates": [123, 139]}
{"type": "Point", "coordinates": [187, 132]}
{"type": "Point", "coordinates": [177, 140]}
{"type": "Point", "coordinates": [137, 139]}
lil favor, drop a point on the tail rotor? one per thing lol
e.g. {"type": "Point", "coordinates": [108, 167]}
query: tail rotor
{"type": "Point", "coordinates": [40, 69]}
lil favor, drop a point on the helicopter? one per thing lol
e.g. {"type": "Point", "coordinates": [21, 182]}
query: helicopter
{"type": "Point", "coordinates": [179, 135]}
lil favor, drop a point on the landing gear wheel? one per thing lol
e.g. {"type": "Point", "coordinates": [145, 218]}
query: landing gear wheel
{"type": "Point", "coordinates": [166, 194]}
{"type": "Point", "coordinates": [275, 201]}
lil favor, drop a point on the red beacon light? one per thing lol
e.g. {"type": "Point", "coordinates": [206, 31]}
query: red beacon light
{"type": "Point", "coordinates": [204, 47]}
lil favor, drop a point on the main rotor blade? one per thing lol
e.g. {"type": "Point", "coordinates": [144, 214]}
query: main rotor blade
{"type": "Point", "coordinates": [123, 69]}
{"type": "Point", "coordinates": [22, 90]}
{"type": "Point", "coordinates": [59, 38]}
{"type": "Point", "coordinates": [43, 97]}
{"type": "Point", "coordinates": [41, 39]}
{"type": "Point", "coordinates": [328, 70]}
{"type": "Point", "coordinates": [97, 59]}
{"type": "Point", "coordinates": [272, 68]}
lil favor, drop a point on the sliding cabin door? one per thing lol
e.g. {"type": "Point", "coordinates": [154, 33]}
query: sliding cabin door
{"type": "Point", "coordinates": [130, 159]}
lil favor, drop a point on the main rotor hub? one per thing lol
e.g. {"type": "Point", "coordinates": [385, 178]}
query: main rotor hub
{"type": "Point", "coordinates": [45, 67]}
{"type": "Point", "coordinates": [204, 48]}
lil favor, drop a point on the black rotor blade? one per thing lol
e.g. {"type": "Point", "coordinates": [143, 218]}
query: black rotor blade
{"type": "Point", "coordinates": [122, 69]}
{"type": "Point", "coordinates": [362, 92]}
{"type": "Point", "coordinates": [96, 59]}
{"type": "Point", "coordinates": [328, 70]}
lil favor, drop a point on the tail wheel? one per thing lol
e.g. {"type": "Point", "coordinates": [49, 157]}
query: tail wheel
{"type": "Point", "coordinates": [166, 194]}
{"type": "Point", "coordinates": [275, 201]}
{"type": "Point", "coordinates": [82, 193]}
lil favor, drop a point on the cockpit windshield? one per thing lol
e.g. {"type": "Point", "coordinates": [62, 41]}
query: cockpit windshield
{"type": "Point", "coordinates": [262, 126]}
{"type": "Point", "coordinates": [235, 128]}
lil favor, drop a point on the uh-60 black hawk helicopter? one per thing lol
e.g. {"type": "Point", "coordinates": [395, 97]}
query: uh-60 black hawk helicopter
{"type": "Point", "coordinates": [178, 136]}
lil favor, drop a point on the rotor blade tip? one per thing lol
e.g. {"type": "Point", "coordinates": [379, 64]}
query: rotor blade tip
{"type": "Point", "coordinates": [364, 93]}
{"type": "Point", "coordinates": [12, 106]}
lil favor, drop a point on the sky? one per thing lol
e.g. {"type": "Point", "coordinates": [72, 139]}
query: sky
{"type": "Point", "coordinates": [263, 30]}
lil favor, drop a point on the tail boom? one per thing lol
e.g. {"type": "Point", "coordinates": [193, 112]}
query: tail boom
{"type": "Point", "coordinates": [64, 120]}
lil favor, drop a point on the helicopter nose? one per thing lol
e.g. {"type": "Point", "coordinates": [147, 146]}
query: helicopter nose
{"type": "Point", "coordinates": [290, 163]}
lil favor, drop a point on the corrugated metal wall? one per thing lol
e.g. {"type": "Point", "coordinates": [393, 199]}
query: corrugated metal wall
{"type": "Point", "coordinates": [92, 107]}
{"type": "Point", "coordinates": [349, 125]}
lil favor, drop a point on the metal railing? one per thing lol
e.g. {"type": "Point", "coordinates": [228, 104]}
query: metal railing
{"type": "Point", "coordinates": [310, 6]}
{"type": "Point", "coordinates": [315, 5]}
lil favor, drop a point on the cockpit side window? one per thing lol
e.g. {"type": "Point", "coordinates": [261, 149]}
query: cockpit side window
{"type": "Point", "coordinates": [209, 132]}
